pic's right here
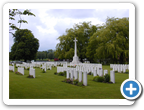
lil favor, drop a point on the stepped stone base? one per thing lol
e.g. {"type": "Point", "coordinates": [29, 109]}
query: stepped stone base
{"type": "Point", "coordinates": [75, 60]}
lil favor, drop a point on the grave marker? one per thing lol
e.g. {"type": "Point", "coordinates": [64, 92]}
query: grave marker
{"type": "Point", "coordinates": [112, 76]}
{"type": "Point", "coordinates": [80, 76]}
{"type": "Point", "coordinates": [85, 78]}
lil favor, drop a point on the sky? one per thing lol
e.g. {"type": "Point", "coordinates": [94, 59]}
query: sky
{"type": "Point", "coordinates": [49, 24]}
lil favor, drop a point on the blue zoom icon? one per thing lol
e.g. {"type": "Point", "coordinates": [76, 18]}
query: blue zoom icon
{"type": "Point", "coordinates": [130, 89]}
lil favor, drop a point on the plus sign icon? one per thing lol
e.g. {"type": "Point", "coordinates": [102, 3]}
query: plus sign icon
{"type": "Point", "coordinates": [131, 89]}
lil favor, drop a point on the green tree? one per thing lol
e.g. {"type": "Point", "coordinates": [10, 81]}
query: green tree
{"type": "Point", "coordinates": [25, 45]}
{"type": "Point", "coordinates": [51, 55]}
{"type": "Point", "coordinates": [16, 12]}
{"type": "Point", "coordinates": [82, 33]}
{"type": "Point", "coordinates": [110, 42]}
{"type": "Point", "coordinates": [38, 55]}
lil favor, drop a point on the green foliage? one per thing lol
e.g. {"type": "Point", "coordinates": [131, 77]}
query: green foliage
{"type": "Point", "coordinates": [90, 73]}
{"type": "Point", "coordinates": [106, 78]}
{"type": "Point", "coordinates": [61, 73]}
{"type": "Point", "coordinates": [41, 55]}
{"type": "Point", "coordinates": [16, 12]}
{"type": "Point", "coordinates": [80, 84]}
{"type": "Point", "coordinates": [82, 32]}
{"type": "Point", "coordinates": [55, 73]}
{"type": "Point", "coordinates": [68, 80]}
{"type": "Point", "coordinates": [75, 82]}
{"type": "Point", "coordinates": [30, 76]}
{"type": "Point", "coordinates": [98, 79]}
{"type": "Point", "coordinates": [46, 54]}
{"type": "Point", "coordinates": [18, 73]}
{"type": "Point", "coordinates": [64, 73]}
{"type": "Point", "coordinates": [43, 70]}
{"type": "Point", "coordinates": [110, 42]}
{"type": "Point", "coordinates": [28, 68]}
{"type": "Point", "coordinates": [25, 46]}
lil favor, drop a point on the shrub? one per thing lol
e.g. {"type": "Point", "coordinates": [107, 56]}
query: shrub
{"type": "Point", "coordinates": [75, 82]}
{"type": "Point", "coordinates": [28, 68]}
{"type": "Point", "coordinates": [30, 76]}
{"type": "Point", "coordinates": [10, 70]}
{"type": "Point", "coordinates": [48, 69]}
{"type": "Point", "coordinates": [61, 73]}
{"type": "Point", "coordinates": [55, 73]}
{"type": "Point", "coordinates": [68, 80]}
{"type": "Point", "coordinates": [90, 73]}
{"type": "Point", "coordinates": [98, 79]}
{"type": "Point", "coordinates": [94, 78]}
{"type": "Point", "coordinates": [80, 84]}
{"type": "Point", "coordinates": [106, 78]}
{"type": "Point", "coordinates": [18, 73]}
{"type": "Point", "coordinates": [43, 71]}
{"type": "Point", "coordinates": [64, 73]}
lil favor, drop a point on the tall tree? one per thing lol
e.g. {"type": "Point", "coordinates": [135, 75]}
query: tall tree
{"type": "Point", "coordinates": [25, 46]}
{"type": "Point", "coordinates": [82, 33]}
{"type": "Point", "coordinates": [111, 41]}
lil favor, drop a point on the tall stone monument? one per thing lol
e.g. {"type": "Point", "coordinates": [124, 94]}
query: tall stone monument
{"type": "Point", "coordinates": [75, 58]}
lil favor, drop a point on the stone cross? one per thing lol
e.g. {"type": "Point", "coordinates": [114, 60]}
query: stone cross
{"type": "Point", "coordinates": [75, 47]}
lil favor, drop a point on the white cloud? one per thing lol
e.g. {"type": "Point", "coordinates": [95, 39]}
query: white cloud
{"type": "Point", "coordinates": [48, 24]}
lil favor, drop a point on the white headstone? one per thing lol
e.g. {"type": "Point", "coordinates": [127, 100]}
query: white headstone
{"type": "Point", "coordinates": [67, 73]}
{"type": "Point", "coordinates": [80, 76]}
{"type": "Point", "coordinates": [105, 72]}
{"type": "Point", "coordinates": [100, 72]}
{"type": "Point", "coordinates": [112, 76]}
{"type": "Point", "coordinates": [94, 74]}
{"type": "Point", "coordinates": [71, 74]}
{"type": "Point", "coordinates": [75, 74]}
{"type": "Point", "coordinates": [11, 68]}
{"type": "Point", "coordinates": [21, 70]}
{"type": "Point", "coordinates": [32, 72]}
{"type": "Point", "coordinates": [85, 78]}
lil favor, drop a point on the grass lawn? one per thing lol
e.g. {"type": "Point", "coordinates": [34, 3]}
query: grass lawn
{"type": "Point", "coordinates": [50, 86]}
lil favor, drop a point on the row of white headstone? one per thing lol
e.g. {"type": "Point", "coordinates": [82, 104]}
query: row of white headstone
{"type": "Point", "coordinates": [74, 73]}
{"type": "Point", "coordinates": [45, 67]}
{"type": "Point", "coordinates": [21, 70]}
{"type": "Point", "coordinates": [120, 67]}
{"type": "Point", "coordinates": [93, 68]}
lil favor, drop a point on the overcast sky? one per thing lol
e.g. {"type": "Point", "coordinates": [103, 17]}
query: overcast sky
{"type": "Point", "coordinates": [49, 24]}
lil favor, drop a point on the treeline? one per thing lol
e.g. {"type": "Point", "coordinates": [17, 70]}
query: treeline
{"type": "Point", "coordinates": [107, 43]}
{"type": "Point", "coordinates": [45, 54]}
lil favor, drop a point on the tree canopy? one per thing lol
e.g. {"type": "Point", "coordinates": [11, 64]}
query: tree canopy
{"type": "Point", "coordinates": [25, 45]}
{"type": "Point", "coordinates": [108, 42]}
{"type": "Point", "coordinates": [82, 32]}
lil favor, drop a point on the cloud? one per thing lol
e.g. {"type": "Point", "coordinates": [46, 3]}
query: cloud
{"type": "Point", "coordinates": [102, 14]}
{"type": "Point", "coordinates": [71, 13]}
{"type": "Point", "coordinates": [49, 24]}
